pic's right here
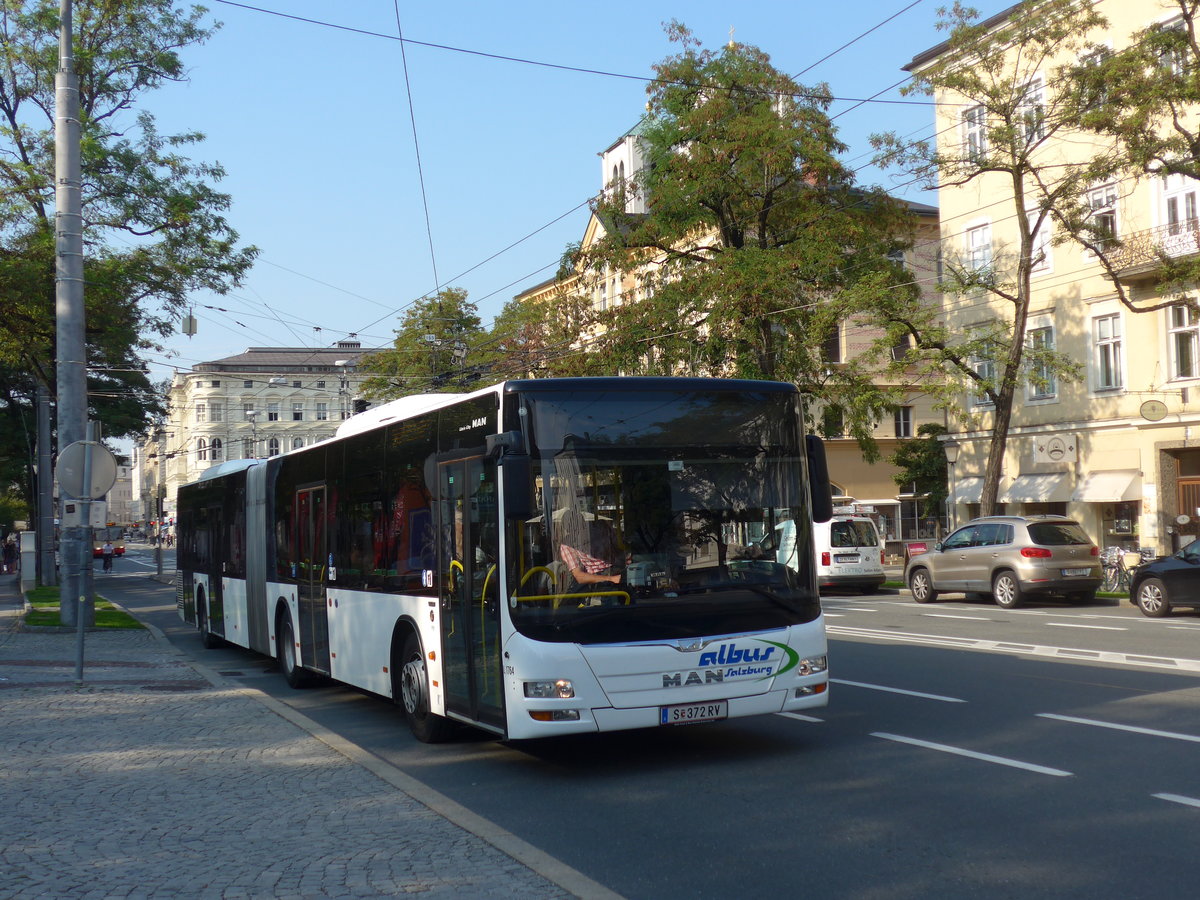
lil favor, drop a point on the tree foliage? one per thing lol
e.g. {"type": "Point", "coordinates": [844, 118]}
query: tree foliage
{"type": "Point", "coordinates": [757, 244]}
{"type": "Point", "coordinates": [441, 345]}
{"type": "Point", "coordinates": [154, 226]}
{"type": "Point", "coordinates": [993, 72]}
{"type": "Point", "coordinates": [921, 464]}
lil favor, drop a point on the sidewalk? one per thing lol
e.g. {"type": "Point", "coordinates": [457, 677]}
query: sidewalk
{"type": "Point", "coordinates": [161, 779]}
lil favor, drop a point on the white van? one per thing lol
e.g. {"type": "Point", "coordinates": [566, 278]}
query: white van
{"type": "Point", "coordinates": [849, 553]}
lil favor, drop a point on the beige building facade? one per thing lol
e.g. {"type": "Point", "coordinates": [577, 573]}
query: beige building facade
{"type": "Point", "coordinates": [1119, 448]}
{"type": "Point", "coordinates": [264, 402]}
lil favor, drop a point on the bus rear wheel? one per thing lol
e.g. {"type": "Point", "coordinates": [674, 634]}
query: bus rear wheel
{"type": "Point", "coordinates": [412, 693]}
{"type": "Point", "coordinates": [285, 645]}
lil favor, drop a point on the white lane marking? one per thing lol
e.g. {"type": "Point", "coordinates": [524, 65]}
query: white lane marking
{"type": "Point", "coordinates": [830, 615]}
{"type": "Point", "coordinates": [1093, 627]}
{"type": "Point", "coordinates": [949, 616]}
{"type": "Point", "coordinates": [1179, 798]}
{"type": "Point", "coordinates": [892, 690]}
{"type": "Point", "coordinates": [1153, 732]}
{"type": "Point", "coordinates": [959, 751]}
{"type": "Point", "coordinates": [799, 717]}
{"type": "Point", "coordinates": [941, 640]}
{"type": "Point", "coordinates": [853, 609]}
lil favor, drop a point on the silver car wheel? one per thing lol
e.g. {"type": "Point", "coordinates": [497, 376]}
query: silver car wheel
{"type": "Point", "coordinates": [1152, 598]}
{"type": "Point", "coordinates": [1006, 591]}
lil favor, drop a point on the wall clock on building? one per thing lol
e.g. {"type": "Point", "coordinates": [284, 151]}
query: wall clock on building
{"type": "Point", "coordinates": [1154, 410]}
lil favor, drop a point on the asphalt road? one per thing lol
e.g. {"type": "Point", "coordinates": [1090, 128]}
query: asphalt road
{"type": "Point", "coordinates": [967, 751]}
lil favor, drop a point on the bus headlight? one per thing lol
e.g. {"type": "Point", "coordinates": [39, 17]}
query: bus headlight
{"type": "Point", "coordinates": [562, 689]}
{"type": "Point", "coordinates": [812, 665]}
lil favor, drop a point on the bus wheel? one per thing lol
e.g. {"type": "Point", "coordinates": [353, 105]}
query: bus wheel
{"type": "Point", "coordinates": [285, 645]}
{"type": "Point", "coordinates": [207, 639]}
{"type": "Point", "coordinates": [413, 696]}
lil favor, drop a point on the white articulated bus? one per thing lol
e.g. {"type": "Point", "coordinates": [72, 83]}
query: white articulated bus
{"type": "Point", "coordinates": [434, 553]}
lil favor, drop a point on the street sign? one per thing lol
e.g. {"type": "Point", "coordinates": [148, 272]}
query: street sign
{"type": "Point", "coordinates": [102, 465]}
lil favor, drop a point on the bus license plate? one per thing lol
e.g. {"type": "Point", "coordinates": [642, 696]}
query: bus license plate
{"type": "Point", "coordinates": [1069, 572]}
{"type": "Point", "coordinates": [691, 713]}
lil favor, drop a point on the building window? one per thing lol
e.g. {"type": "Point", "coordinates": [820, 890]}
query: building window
{"type": "Point", "coordinates": [248, 412]}
{"type": "Point", "coordinates": [1039, 247]}
{"type": "Point", "coordinates": [1103, 218]}
{"type": "Point", "coordinates": [1106, 331]}
{"type": "Point", "coordinates": [1183, 334]}
{"type": "Point", "coordinates": [320, 384]}
{"type": "Point", "coordinates": [1173, 51]}
{"type": "Point", "coordinates": [1095, 91]}
{"type": "Point", "coordinates": [322, 411]}
{"type": "Point", "coordinates": [1042, 383]}
{"type": "Point", "coordinates": [247, 384]}
{"type": "Point", "coordinates": [297, 443]}
{"type": "Point", "coordinates": [216, 412]}
{"type": "Point", "coordinates": [903, 421]}
{"type": "Point", "coordinates": [202, 450]}
{"type": "Point", "coordinates": [833, 423]}
{"type": "Point", "coordinates": [218, 448]}
{"type": "Point", "coordinates": [985, 368]}
{"type": "Point", "coordinates": [201, 413]}
{"type": "Point", "coordinates": [273, 447]}
{"type": "Point", "coordinates": [974, 124]}
{"type": "Point", "coordinates": [979, 248]}
{"type": "Point", "coordinates": [273, 411]}
{"type": "Point", "coordinates": [831, 348]}
{"type": "Point", "coordinates": [1032, 113]}
{"type": "Point", "coordinates": [297, 412]}
{"type": "Point", "coordinates": [216, 383]}
{"type": "Point", "coordinates": [296, 384]}
{"type": "Point", "coordinates": [1179, 194]}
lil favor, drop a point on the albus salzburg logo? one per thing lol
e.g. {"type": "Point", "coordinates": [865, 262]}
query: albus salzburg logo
{"type": "Point", "coordinates": [734, 660]}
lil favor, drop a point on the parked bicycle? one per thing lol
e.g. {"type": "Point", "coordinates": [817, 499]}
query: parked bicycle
{"type": "Point", "coordinates": [1118, 564]}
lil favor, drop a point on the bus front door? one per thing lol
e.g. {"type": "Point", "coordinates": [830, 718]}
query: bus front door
{"type": "Point", "coordinates": [312, 555]}
{"type": "Point", "coordinates": [470, 591]}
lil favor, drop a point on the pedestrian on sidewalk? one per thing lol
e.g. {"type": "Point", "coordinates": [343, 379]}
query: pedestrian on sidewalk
{"type": "Point", "coordinates": [107, 552]}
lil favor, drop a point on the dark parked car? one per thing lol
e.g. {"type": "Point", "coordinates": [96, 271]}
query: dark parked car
{"type": "Point", "coordinates": [1011, 558]}
{"type": "Point", "coordinates": [1171, 581]}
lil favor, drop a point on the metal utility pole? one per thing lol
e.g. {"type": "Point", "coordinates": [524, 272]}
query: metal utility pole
{"type": "Point", "coordinates": [68, 283]}
{"type": "Point", "coordinates": [48, 574]}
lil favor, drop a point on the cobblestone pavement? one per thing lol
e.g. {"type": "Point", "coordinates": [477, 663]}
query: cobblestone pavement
{"type": "Point", "coordinates": [150, 781]}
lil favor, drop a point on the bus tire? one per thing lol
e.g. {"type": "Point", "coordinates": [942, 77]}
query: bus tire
{"type": "Point", "coordinates": [208, 640]}
{"type": "Point", "coordinates": [411, 691]}
{"type": "Point", "coordinates": [285, 645]}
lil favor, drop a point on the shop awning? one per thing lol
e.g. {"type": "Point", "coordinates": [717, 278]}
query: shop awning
{"type": "Point", "coordinates": [1047, 487]}
{"type": "Point", "coordinates": [969, 489]}
{"type": "Point", "coordinates": [1109, 487]}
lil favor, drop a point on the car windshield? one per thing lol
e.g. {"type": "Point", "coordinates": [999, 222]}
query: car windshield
{"type": "Point", "coordinates": [1057, 534]}
{"type": "Point", "coordinates": [663, 515]}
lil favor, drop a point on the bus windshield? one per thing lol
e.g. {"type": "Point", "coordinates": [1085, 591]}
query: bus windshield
{"type": "Point", "coordinates": [653, 507]}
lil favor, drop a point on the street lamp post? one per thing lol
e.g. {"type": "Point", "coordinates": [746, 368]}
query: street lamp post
{"type": "Point", "coordinates": [951, 449]}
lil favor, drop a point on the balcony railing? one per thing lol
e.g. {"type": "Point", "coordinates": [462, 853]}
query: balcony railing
{"type": "Point", "coordinates": [1140, 252]}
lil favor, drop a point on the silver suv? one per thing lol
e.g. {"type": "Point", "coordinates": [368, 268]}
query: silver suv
{"type": "Point", "coordinates": [1011, 558]}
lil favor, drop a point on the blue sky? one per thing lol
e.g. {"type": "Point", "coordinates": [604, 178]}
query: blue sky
{"type": "Point", "coordinates": [312, 124]}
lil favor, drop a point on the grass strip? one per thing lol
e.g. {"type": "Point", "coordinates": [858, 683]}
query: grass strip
{"type": "Point", "coordinates": [46, 611]}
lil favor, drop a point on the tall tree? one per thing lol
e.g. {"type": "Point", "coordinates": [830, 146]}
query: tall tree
{"type": "Point", "coordinates": [154, 226]}
{"type": "Point", "coordinates": [756, 245]}
{"type": "Point", "coordinates": [441, 345]}
{"type": "Point", "coordinates": [990, 77]}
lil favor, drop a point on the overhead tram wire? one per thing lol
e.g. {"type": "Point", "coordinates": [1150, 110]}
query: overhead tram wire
{"type": "Point", "coordinates": [531, 62]}
{"type": "Point", "coordinates": [412, 117]}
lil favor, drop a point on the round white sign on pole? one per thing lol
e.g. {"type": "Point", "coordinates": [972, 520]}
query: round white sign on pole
{"type": "Point", "coordinates": [69, 470]}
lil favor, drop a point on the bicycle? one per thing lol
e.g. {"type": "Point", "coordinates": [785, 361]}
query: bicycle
{"type": "Point", "coordinates": [1118, 565]}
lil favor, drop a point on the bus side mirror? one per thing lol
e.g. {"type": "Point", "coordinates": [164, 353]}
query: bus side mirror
{"type": "Point", "coordinates": [518, 488]}
{"type": "Point", "coordinates": [818, 479]}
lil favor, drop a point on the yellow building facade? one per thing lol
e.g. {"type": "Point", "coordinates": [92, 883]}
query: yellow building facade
{"type": "Point", "coordinates": [1119, 448]}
